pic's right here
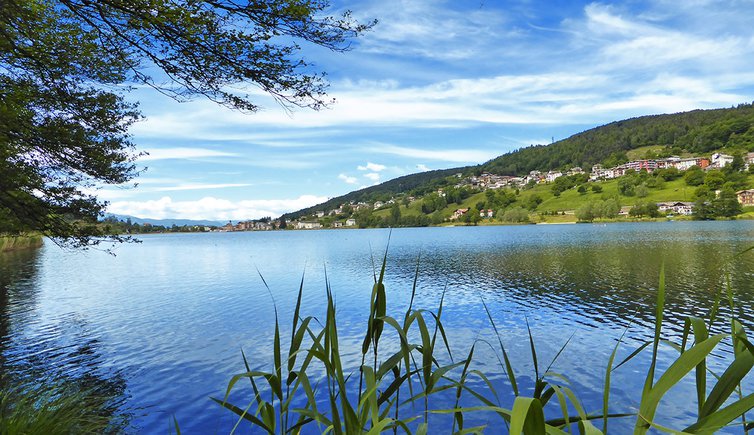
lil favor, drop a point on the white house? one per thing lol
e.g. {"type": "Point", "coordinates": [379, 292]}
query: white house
{"type": "Point", "coordinates": [721, 160]}
{"type": "Point", "coordinates": [679, 207]}
{"type": "Point", "coordinates": [303, 225]}
{"type": "Point", "coordinates": [749, 159]}
{"type": "Point", "coordinates": [350, 222]}
{"type": "Point", "coordinates": [458, 213]}
{"type": "Point", "coordinates": [552, 175]}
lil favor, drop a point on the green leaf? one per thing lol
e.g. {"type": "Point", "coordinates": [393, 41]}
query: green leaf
{"type": "Point", "coordinates": [722, 417]}
{"type": "Point", "coordinates": [680, 367]}
{"type": "Point", "coordinates": [527, 416]}
{"type": "Point", "coordinates": [243, 414]}
{"type": "Point", "coordinates": [727, 383]}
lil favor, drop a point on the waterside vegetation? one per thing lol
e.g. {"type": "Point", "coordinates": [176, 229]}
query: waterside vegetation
{"type": "Point", "coordinates": [58, 409]}
{"type": "Point", "coordinates": [404, 391]}
{"type": "Point", "coordinates": [25, 241]}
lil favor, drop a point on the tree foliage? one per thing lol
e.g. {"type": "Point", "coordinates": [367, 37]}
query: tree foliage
{"type": "Point", "coordinates": [67, 65]}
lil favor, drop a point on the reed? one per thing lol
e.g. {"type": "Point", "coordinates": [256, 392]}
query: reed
{"type": "Point", "coordinates": [12, 243]}
{"type": "Point", "coordinates": [392, 392]}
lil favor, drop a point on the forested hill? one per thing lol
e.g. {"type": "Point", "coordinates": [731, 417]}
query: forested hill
{"type": "Point", "coordinates": [697, 132]}
{"type": "Point", "coordinates": [421, 183]}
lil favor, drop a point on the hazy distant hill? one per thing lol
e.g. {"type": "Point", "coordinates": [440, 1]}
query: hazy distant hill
{"type": "Point", "coordinates": [696, 132]}
{"type": "Point", "coordinates": [167, 222]}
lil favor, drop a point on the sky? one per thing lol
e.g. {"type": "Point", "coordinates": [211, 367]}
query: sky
{"type": "Point", "coordinates": [438, 84]}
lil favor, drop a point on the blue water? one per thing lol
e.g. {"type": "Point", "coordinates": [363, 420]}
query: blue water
{"type": "Point", "coordinates": [162, 323]}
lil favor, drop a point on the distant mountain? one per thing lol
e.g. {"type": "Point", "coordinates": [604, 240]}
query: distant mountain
{"type": "Point", "coordinates": [167, 222]}
{"type": "Point", "coordinates": [696, 132]}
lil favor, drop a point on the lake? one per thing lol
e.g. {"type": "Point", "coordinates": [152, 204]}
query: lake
{"type": "Point", "coordinates": [162, 323]}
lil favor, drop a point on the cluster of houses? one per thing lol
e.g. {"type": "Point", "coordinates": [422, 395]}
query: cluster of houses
{"type": "Point", "coordinates": [315, 225]}
{"type": "Point", "coordinates": [459, 213]}
{"type": "Point", "coordinates": [252, 225]}
{"type": "Point", "coordinates": [716, 161]}
{"type": "Point", "coordinates": [491, 181]}
{"type": "Point", "coordinates": [267, 225]}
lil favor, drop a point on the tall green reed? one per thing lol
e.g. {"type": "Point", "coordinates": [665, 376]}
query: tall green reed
{"type": "Point", "coordinates": [337, 403]}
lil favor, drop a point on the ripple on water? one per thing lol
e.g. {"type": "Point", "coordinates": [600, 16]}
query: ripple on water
{"type": "Point", "coordinates": [164, 321]}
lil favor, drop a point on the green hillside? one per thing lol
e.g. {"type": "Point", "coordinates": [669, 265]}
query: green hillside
{"type": "Point", "coordinates": [552, 207]}
{"type": "Point", "coordinates": [698, 132]}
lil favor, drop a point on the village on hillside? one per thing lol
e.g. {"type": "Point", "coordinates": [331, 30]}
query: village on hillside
{"type": "Point", "coordinates": [341, 217]}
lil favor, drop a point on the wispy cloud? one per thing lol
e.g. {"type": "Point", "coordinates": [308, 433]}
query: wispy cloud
{"type": "Point", "coordinates": [182, 153]}
{"type": "Point", "coordinates": [455, 156]}
{"type": "Point", "coordinates": [198, 186]}
{"type": "Point", "coordinates": [374, 176]}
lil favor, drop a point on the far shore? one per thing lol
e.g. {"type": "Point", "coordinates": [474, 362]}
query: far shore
{"type": "Point", "coordinates": [566, 221]}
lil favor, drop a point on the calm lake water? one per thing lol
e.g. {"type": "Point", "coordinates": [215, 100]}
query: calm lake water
{"type": "Point", "coordinates": [163, 322]}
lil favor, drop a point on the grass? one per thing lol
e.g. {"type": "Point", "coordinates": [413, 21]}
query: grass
{"type": "Point", "coordinates": [391, 391]}
{"type": "Point", "coordinates": [57, 409]}
{"type": "Point", "coordinates": [12, 243]}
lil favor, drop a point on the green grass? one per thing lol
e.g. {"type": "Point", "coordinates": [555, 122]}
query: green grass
{"type": "Point", "coordinates": [11, 243]}
{"type": "Point", "coordinates": [391, 391]}
{"type": "Point", "coordinates": [571, 199]}
{"type": "Point", "coordinates": [641, 152]}
{"type": "Point", "coordinates": [57, 409]}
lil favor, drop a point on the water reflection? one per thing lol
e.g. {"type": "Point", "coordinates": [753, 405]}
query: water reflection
{"type": "Point", "coordinates": [174, 311]}
{"type": "Point", "coordinates": [44, 357]}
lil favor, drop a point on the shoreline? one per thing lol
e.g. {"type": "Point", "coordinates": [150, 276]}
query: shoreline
{"type": "Point", "coordinates": [485, 224]}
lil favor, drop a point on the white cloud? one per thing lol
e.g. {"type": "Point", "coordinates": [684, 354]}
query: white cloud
{"type": "Point", "coordinates": [422, 167]}
{"type": "Point", "coordinates": [148, 186]}
{"type": "Point", "coordinates": [374, 167]}
{"type": "Point", "coordinates": [432, 29]}
{"type": "Point", "coordinates": [373, 176]}
{"type": "Point", "coordinates": [455, 156]}
{"type": "Point", "coordinates": [212, 208]}
{"type": "Point", "coordinates": [348, 179]}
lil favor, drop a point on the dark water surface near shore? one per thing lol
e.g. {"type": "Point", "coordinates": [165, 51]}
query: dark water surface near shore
{"type": "Point", "coordinates": [162, 323]}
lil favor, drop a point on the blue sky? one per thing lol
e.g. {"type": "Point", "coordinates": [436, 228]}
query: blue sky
{"type": "Point", "coordinates": [439, 84]}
